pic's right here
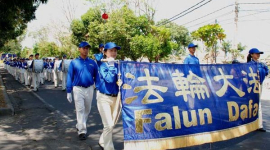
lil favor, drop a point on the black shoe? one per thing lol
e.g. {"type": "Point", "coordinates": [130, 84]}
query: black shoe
{"type": "Point", "coordinates": [261, 130]}
{"type": "Point", "coordinates": [82, 136]}
{"type": "Point", "coordinates": [101, 146]}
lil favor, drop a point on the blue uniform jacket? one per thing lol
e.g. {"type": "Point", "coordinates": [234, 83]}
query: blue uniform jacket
{"type": "Point", "coordinates": [190, 59]}
{"type": "Point", "coordinates": [263, 70]}
{"type": "Point", "coordinates": [108, 79]}
{"type": "Point", "coordinates": [50, 65]}
{"type": "Point", "coordinates": [82, 72]}
{"type": "Point", "coordinates": [45, 65]}
{"type": "Point", "coordinates": [60, 66]}
{"type": "Point", "coordinates": [24, 65]}
{"type": "Point", "coordinates": [98, 58]}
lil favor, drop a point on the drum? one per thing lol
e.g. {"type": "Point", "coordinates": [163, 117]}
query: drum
{"type": "Point", "coordinates": [29, 62]}
{"type": "Point", "coordinates": [65, 64]}
{"type": "Point", "coordinates": [38, 66]}
{"type": "Point", "coordinates": [49, 70]}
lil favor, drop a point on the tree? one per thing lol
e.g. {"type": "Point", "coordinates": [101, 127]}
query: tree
{"type": "Point", "coordinates": [26, 52]}
{"type": "Point", "coordinates": [15, 14]}
{"type": "Point", "coordinates": [226, 47]}
{"type": "Point", "coordinates": [210, 34]}
{"type": "Point", "coordinates": [143, 7]}
{"type": "Point", "coordinates": [136, 35]}
{"type": "Point", "coordinates": [46, 49]}
{"type": "Point", "coordinates": [179, 35]}
{"type": "Point", "coordinates": [13, 47]}
{"type": "Point", "coordinates": [122, 26]}
{"type": "Point", "coordinates": [237, 52]}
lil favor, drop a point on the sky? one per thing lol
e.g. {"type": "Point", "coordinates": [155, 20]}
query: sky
{"type": "Point", "coordinates": [253, 25]}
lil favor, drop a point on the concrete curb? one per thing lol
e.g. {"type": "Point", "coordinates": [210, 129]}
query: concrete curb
{"type": "Point", "coordinates": [9, 110]}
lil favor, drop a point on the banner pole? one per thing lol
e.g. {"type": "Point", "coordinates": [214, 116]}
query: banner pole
{"type": "Point", "coordinates": [118, 104]}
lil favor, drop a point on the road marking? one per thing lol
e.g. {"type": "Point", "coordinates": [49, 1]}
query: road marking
{"type": "Point", "coordinates": [50, 106]}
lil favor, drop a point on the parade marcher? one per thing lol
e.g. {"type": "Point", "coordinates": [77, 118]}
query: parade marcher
{"type": "Point", "coordinates": [11, 64]}
{"type": "Point", "coordinates": [25, 67]}
{"type": "Point", "coordinates": [17, 69]}
{"type": "Point", "coordinates": [99, 56]}
{"type": "Point", "coordinates": [5, 63]}
{"type": "Point", "coordinates": [42, 77]}
{"type": "Point", "coordinates": [191, 58]}
{"type": "Point", "coordinates": [22, 70]}
{"type": "Point", "coordinates": [56, 72]}
{"type": "Point", "coordinates": [107, 95]}
{"type": "Point", "coordinates": [35, 75]}
{"type": "Point", "coordinates": [193, 61]}
{"type": "Point", "coordinates": [30, 78]}
{"type": "Point", "coordinates": [45, 71]}
{"type": "Point", "coordinates": [82, 74]}
{"type": "Point", "coordinates": [8, 65]}
{"type": "Point", "coordinates": [64, 75]}
{"type": "Point", "coordinates": [253, 58]}
{"type": "Point", "coordinates": [50, 68]}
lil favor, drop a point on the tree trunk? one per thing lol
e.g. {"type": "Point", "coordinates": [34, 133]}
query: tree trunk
{"type": "Point", "coordinates": [156, 59]}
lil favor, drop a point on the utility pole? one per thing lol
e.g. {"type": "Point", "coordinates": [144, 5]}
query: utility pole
{"type": "Point", "coordinates": [235, 42]}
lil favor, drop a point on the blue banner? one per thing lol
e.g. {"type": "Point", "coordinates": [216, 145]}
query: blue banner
{"type": "Point", "coordinates": [171, 101]}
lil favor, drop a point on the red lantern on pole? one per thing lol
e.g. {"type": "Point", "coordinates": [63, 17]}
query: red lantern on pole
{"type": "Point", "coordinates": [105, 16]}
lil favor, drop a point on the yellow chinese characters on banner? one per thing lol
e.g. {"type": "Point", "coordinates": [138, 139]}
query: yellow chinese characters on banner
{"type": "Point", "coordinates": [150, 90]}
{"type": "Point", "coordinates": [191, 85]}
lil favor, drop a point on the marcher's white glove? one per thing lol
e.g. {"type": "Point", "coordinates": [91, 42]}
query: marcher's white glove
{"type": "Point", "coordinates": [69, 97]}
{"type": "Point", "coordinates": [111, 61]}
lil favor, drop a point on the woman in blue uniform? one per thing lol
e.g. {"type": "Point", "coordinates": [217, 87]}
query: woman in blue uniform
{"type": "Point", "coordinates": [106, 97]}
{"type": "Point", "coordinates": [253, 57]}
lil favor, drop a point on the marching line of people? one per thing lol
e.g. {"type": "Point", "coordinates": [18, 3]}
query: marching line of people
{"type": "Point", "coordinates": [81, 75]}
{"type": "Point", "coordinates": [34, 72]}
{"type": "Point", "coordinates": [79, 78]}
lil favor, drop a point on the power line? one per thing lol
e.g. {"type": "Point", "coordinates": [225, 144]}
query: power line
{"type": "Point", "coordinates": [255, 20]}
{"type": "Point", "coordinates": [243, 16]}
{"type": "Point", "coordinates": [260, 10]}
{"type": "Point", "coordinates": [225, 14]}
{"type": "Point", "coordinates": [177, 16]}
{"type": "Point", "coordinates": [224, 8]}
{"type": "Point", "coordinates": [255, 3]}
{"type": "Point", "coordinates": [265, 20]}
{"type": "Point", "coordinates": [225, 19]}
{"type": "Point", "coordinates": [186, 10]}
{"type": "Point", "coordinates": [208, 14]}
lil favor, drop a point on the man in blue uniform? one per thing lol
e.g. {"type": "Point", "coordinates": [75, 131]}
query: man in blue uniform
{"type": "Point", "coordinates": [82, 74]}
{"type": "Point", "coordinates": [191, 58]}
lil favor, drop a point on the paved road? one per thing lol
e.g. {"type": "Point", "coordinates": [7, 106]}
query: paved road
{"type": "Point", "coordinates": [57, 98]}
